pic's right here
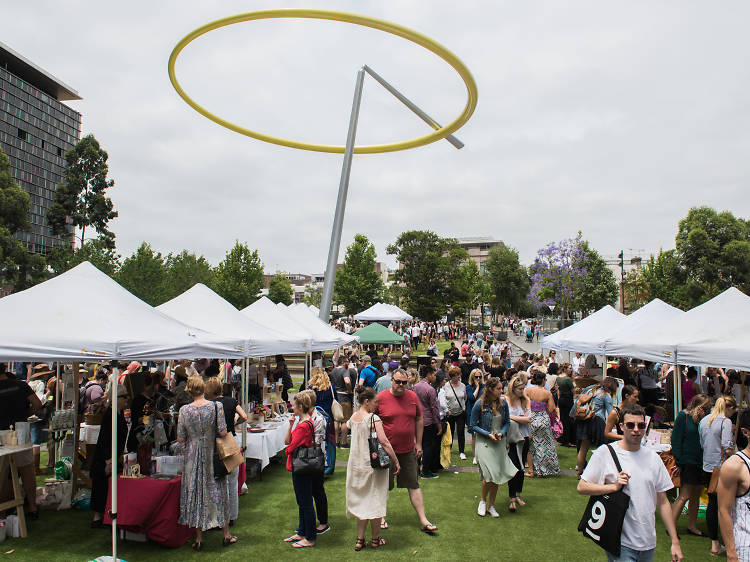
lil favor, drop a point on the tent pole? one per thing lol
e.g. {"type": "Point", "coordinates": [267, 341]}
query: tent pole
{"type": "Point", "coordinates": [243, 398]}
{"type": "Point", "coordinates": [676, 385]}
{"type": "Point", "coordinates": [114, 472]}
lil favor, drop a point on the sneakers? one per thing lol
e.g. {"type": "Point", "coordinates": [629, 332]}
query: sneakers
{"type": "Point", "coordinates": [462, 456]}
{"type": "Point", "coordinates": [430, 475]}
{"type": "Point", "coordinates": [474, 461]}
{"type": "Point", "coordinates": [482, 509]}
{"type": "Point", "coordinates": [492, 511]}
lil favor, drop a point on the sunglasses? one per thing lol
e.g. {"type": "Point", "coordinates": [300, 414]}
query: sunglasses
{"type": "Point", "coordinates": [399, 382]}
{"type": "Point", "coordinates": [632, 425]}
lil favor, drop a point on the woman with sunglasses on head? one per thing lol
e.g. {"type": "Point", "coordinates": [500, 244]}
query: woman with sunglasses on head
{"type": "Point", "coordinates": [490, 420]}
{"type": "Point", "coordinates": [519, 407]}
{"type": "Point", "coordinates": [688, 454]}
{"type": "Point", "coordinates": [473, 392]}
{"type": "Point", "coordinates": [717, 440]}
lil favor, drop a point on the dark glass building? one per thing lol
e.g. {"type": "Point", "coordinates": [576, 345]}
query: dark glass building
{"type": "Point", "coordinates": [36, 130]}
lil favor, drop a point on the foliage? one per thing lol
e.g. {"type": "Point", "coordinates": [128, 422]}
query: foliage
{"type": "Point", "coordinates": [313, 296]}
{"type": "Point", "coordinates": [665, 279]}
{"type": "Point", "coordinates": [96, 251]}
{"type": "Point", "coordinates": [81, 196]}
{"type": "Point", "coordinates": [184, 270]}
{"type": "Point", "coordinates": [467, 288]}
{"type": "Point", "coordinates": [636, 290]}
{"type": "Point", "coordinates": [428, 269]}
{"type": "Point", "coordinates": [18, 267]}
{"type": "Point", "coordinates": [358, 286]}
{"type": "Point", "coordinates": [508, 280]}
{"type": "Point", "coordinates": [144, 274]}
{"type": "Point", "coordinates": [598, 286]}
{"type": "Point", "coordinates": [239, 277]}
{"type": "Point", "coordinates": [280, 289]}
{"type": "Point", "coordinates": [556, 274]}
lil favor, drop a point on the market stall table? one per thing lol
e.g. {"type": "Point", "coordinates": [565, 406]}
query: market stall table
{"type": "Point", "coordinates": [151, 507]}
{"type": "Point", "coordinates": [263, 446]}
{"type": "Point", "coordinates": [8, 455]}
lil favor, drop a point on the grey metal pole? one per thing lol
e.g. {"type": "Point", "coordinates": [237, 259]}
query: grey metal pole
{"type": "Point", "coordinates": [338, 218]}
{"type": "Point", "coordinates": [411, 105]}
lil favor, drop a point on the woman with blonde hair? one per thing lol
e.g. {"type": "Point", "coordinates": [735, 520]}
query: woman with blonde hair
{"type": "Point", "coordinates": [717, 440]}
{"type": "Point", "coordinates": [688, 454]}
{"type": "Point", "coordinates": [473, 392]}
{"type": "Point", "coordinates": [204, 503]}
{"type": "Point", "coordinates": [413, 377]}
{"type": "Point", "coordinates": [520, 414]}
{"type": "Point", "coordinates": [320, 383]}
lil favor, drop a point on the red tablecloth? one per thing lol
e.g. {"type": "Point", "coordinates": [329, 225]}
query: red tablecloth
{"type": "Point", "coordinates": [151, 507]}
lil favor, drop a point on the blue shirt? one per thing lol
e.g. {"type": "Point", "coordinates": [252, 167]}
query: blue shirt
{"type": "Point", "coordinates": [369, 375]}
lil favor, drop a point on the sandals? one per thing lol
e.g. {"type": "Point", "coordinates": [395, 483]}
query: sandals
{"type": "Point", "coordinates": [384, 524]}
{"type": "Point", "coordinates": [360, 544]}
{"type": "Point", "coordinates": [429, 529]}
{"type": "Point", "coordinates": [529, 474]}
{"type": "Point", "coordinates": [521, 503]}
{"type": "Point", "coordinates": [377, 543]}
{"type": "Point", "coordinates": [298, 544]}
{"type": "Point", "coordinates": [196, 546]}
{"type": "Point", "coordinates": [293, 538]}
{"type": "Point", "coordinates": [230, 540]}
{"type": "Point", "coordinates": [512, 507]}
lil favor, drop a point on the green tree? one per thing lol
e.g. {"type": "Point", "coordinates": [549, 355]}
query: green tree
{"type": "Point", "coordinates": [143, 274]}
{"type": "Point", "coordinates": [81, 196]}
{"type": "Point", "coordinates": [96, 251]}
{"type": "Point", "coordinates": [358, 286]}
{"type": "Point", "coordinates": [598, 286]}
{"type": "Point", "coordinates": [280, 289]}
{"type": "Point", "coordinates": [18, 267]}
{"type": "Point", "coordinates": [508, 280]}
{"type": "Point", "coordinates": [665, 279]}
{"type": "Point", "coordinates": [239, 277]}
{"type": "Point", "coordinates": [313, 296]}
{"type": "Point", "coordinates": [636, 291]}
{"type": "Point", "coordinates": [466, 288]}
{"type": "Point", "coordinates": [184, 270]}
{"type": "Point", "coordinates": [428, 268]}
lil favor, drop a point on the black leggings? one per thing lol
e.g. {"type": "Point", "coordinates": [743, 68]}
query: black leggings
{"type": "Point", "coordinates": [320, 498]}
{"type": "Point", "coordinates": [458, 429]}
{"type": "Point", "coordinates": [712, 512]}
{"type": "Point", "coordinates": [515, 484]}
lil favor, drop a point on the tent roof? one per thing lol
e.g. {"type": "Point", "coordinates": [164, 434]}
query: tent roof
{"type": "Point", "coordinates": [266, 313]}
{"type": "Point", "coordinates": [580, 337]}
{"type": "Point", "coordinates": [384, 312]}
{"type": "Point", "coordinates": [201, 307]}
{"type": "Point", "coordinates": [324, 336]}
{"type": "Point", "coordinates": [378, 334]}
{"type": "Point", "coordinates": [651, 314]}
{"type": "Point", "coordinates": [716, 333]}
{"type": "Point", "coordinates": [83, 314]}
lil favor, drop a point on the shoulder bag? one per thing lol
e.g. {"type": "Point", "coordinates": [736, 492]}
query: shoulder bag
{"type": "Point", "coordinates": [463, 407]}
{"type": "Point", "coordinates": [309, 460]}
{"type": "Point", "coordinates": [336, 410]}
{"type": "Point", "coordinates": [378, 457]}
{"type": "Point", "coordinates": [220, 469]}
{"type": "Point", "coordinates": [515, 435]}
{"type": "Point", "coordinates": [714, 482]}
{"type": "Point", "coordinates": [603, 517]}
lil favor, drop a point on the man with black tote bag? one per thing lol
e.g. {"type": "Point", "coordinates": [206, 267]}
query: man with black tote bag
{"type": "Point", "coordinates": [643, 477]}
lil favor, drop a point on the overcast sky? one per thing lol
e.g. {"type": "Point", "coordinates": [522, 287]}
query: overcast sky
{"type": "Point", "coordinates": [612, 119]}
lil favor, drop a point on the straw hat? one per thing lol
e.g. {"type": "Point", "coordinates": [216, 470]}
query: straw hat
{"type": "Point", "coordinates": [41, 370]}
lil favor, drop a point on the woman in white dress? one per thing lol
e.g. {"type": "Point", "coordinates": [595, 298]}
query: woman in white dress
{"type": "Point", "coordinates": [367, 487]}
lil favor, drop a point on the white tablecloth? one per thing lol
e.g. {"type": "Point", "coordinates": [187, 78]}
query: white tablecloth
{"type": "Point", "coordinates": [263, 446]}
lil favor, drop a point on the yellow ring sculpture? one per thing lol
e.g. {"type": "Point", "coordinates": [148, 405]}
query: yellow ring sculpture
{"type": "Point", "coordinates": [388, 27]}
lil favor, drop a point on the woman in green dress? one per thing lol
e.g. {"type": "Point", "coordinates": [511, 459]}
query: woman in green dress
{"type": "Point", "coordinates": [490, 421]}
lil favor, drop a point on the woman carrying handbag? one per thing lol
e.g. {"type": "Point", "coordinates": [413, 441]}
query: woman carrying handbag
{"type": "Point", "coordinates": [367, 486]}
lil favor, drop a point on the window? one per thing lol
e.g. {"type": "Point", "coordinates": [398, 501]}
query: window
{"type": "Point", "coordinates": [22, 134]}
{"type": "Point", "coordinates": [59, 151]}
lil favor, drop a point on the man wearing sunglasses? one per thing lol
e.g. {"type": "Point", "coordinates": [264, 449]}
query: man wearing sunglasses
{"type": "Point", "coordinates": [644, 478]}
{"type": "Point", "coordinates": [401, 413]}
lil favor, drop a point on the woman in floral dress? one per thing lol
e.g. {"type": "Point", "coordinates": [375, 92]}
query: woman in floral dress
{"type": "Point", "coordinates": [204, 502]}
{"type": "Point", "coordinates": [542, 448]}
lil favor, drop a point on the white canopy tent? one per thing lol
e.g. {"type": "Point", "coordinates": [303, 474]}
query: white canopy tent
{"type": "Point", "coordinates": [266, 313]}
{"type": "Point", "coordinates": [383, 312]}
{"type": "Point", "coordinates": [324, 336]}
{"type": "Point", "coordinates": [652, 314]}
{"type": "Point", "coordinates": [201, 307]}
{"type": "Point", "coordinates": [581, 336]}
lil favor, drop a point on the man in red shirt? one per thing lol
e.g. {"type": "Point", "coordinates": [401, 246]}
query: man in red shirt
{"type": "Point", "coordinates": [401, 414]}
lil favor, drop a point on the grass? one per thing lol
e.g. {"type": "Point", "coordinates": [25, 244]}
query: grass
{"type": "Point", "coordinates": [544, 530]}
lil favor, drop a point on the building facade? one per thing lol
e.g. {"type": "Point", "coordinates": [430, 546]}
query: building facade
{"type": "Point", "coordinates": [479, 248]}
{"type": "Point", "coordinates": [36, 130]}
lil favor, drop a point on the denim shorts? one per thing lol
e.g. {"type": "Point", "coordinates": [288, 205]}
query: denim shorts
{"type": "Point", "coordinates": [630, 555]}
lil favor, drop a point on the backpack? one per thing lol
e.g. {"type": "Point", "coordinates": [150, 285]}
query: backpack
{"type": "Point", "coordinates": [82, 402]}
{"type": "Point", "coordinates": [584, 407]}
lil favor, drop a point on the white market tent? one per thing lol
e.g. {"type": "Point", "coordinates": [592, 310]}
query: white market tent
{"type": "Point", "coordinates": [581, 336]}
{"type": "Point", "coordinates": [716, 333]}
{"type": "Point", "coordinates": [383, 312]}
{"type": "Point", "coordinates": [652, 314]}
{"type": "Point", "coordinates": [324, 336]}
{"type": "Point", "coordinates": [83, 315]}
{"type": "Point", "coordinates": [266, 313]}
{"type": "Point", "coordinates": [201, 307]}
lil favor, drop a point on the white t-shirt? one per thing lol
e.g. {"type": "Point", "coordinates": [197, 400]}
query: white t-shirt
{"type": "Point", "coordinates": [577, 362]}
{"type": "Point", "coordinates": [648, 476]}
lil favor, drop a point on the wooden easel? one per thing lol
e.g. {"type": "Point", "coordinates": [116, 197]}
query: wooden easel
{"type": "Point", "coordinates": [8, 463]}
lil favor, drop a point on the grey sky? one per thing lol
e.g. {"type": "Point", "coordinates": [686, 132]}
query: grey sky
{"type": "Point", "coordinates": [610, 118]}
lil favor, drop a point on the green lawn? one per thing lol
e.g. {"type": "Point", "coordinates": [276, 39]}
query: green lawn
{"type": "Point", "coordinates": [544, 530]}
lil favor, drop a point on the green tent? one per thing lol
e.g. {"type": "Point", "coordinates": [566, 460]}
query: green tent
{"type": "Point", "coordinates": [377, 333]}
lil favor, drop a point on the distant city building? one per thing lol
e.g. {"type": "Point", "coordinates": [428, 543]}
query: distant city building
{"type": "Point", "coordinates": [36, 130]}
{"type": "Point", "coordinates": [479, 248]}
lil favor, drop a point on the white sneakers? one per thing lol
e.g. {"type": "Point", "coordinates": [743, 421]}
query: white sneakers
{"type": "Point", "coordinates": [482, 509]}
{"type": "Point", "coordinates": [474, 461]}
{"type": "Point", "coordinates": [492, 511]}
{"type": "Point", "coordinates": [462, 456]}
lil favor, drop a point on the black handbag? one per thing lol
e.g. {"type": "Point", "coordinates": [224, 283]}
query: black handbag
{"type": "Point", "coordinates": [220, 470]}
{"type": "Point", "coordinates": [378, 457]}
{"type": "Point", "coordinates": [309, 460]}
{"type": "Point", "coordinates": [603, 517]}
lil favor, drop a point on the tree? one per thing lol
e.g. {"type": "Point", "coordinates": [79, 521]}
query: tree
{"type": "Point", "coordinates": [239, 277]}
{"type": "Point", "coordinates": [636, 290]}
{"type": "Point", "coordinates": [556, 275]}
{"type": "Point", "coordinates": [428, 269]}
{"type": "Point", "coordinates": [313, 296]}
{"type": "Point", "coordinates": [143, 274]}
{"type": "Point", "coordinates": [18, 267]}
{"type": "Point", "coordinates": [96, 251]}
{"type": "Point", "coordinates": [465, 290]}
{"type": "Point", "coordinates": [81, 196]}
{"type": "Point", "coordinates": [665, 279]}
{"type": "Point", "coordinates": [280, 289]}
{"type": "Point", "coordinates": [184, 270]}
{"type": "Point", "coordinates": [508, 280]}
{"type": "Point", "coordinates": [598, 286]}
{"type": "Point", "coordinates": [358, 286]}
